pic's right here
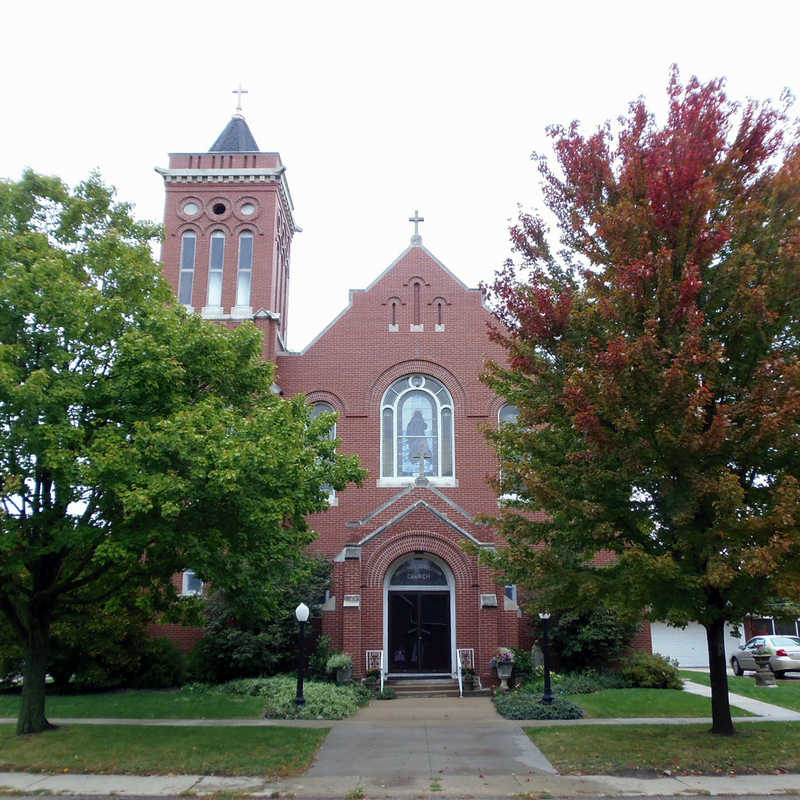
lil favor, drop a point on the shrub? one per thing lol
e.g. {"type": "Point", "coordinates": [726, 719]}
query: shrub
{"type": "Point", "coordinates": [651, 671]}
{"type": "Point", "coordinates": [594, 639]}
{"type": "Point", "coordinates": [323, 700]}
{"type": "Point", "coordinates": [317, 663]}
{"type": "Point", "coordinates": [590, 680]}
{"type": "Point", "coordinates": [224, 654]}
{"type": "Point", "coordinates": [164, 666]}
{"type": "Point", "coordinates": [252, 687]}
{"type": "Point", "coordinates": [523, 664]}
{"type": "Point", "coordinates": [524, 705]}
{"type": "Point", "coordinates": [387, 694]}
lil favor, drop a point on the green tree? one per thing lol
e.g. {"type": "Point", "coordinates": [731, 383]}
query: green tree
{"type": "Point", "coordinates": [138, 440]}
{"type": "Point", "coordinates": [654, 362]}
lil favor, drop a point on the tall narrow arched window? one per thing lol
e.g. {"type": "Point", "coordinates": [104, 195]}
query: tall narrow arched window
{"type": "Point", "coordinates": [245, 271]}
{"type": "Point", "coordinates": [216, 258]}
{"type": "Point", "coordinates": [316, 410]}
{"type": "Point", "coordinates": [186, 278]}
{"type": "Point", "coordinates": [417, 429]}
{"type": "Point", "coordinates": [507, 415]}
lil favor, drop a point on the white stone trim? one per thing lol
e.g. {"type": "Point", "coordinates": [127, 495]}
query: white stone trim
{"type": "Point", "coordinates": [406, 480]}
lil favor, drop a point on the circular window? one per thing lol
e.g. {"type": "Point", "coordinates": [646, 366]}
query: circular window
{"type": "Point", "coordinates": [248, 209]}
{"type": "Point", "coordinates": [218, 208]}
{"type": "Point", "coordinates": [417, 381]}
{"type": "Point", "coordinates": [191, 208]}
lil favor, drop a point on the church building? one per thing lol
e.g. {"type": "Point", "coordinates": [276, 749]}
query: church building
{"type": "Point", "coordinates": [400, 366]}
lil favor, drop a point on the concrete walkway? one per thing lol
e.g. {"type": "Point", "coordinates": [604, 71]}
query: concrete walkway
{"type": "Point", "coordinates": [758, 707]}
{"type": "Point", "coordinates": [420, 747]}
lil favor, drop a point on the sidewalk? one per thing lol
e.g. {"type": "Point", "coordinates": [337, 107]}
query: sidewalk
{"type": "Point", "coordinates": [451, 786]}
{"type": "Point", "coordinates": [422, 748]}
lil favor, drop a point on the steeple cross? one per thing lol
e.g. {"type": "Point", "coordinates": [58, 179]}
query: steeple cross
{"type": "Point", "coordinates": [240, 92]}
{"type": "Point", "coordinates": [416, 219]}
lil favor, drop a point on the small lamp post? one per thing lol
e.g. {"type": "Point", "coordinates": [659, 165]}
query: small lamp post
{"type": "Point", "coordinates": [547, 697]}
{"type": "Point", "coordinates": [301, 612]}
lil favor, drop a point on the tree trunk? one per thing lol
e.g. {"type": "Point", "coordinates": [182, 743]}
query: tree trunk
{"type": "Point", "coordinates": [721, 721]}
{"type": "Point", "coordinates": [31, 713]}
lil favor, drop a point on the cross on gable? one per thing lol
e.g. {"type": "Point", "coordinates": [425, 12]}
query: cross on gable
{"type": "Point", "coordinates": [416, 219]}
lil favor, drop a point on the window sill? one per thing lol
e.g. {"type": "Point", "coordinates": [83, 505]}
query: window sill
{"type": "Point", "coordinates": [395, 482]}
{"type": "Point", "coordinates": [242, 312]}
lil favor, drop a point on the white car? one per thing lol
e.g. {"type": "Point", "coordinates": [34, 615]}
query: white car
{"type": "Point", "coordinates": [783, 651]}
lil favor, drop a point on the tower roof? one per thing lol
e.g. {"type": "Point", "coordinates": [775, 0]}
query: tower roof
{"type": "Point", "coordinates": [236, 138]}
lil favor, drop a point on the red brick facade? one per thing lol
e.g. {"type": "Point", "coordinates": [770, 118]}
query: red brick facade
{"type": "Point", "coordinates": [436, 329]}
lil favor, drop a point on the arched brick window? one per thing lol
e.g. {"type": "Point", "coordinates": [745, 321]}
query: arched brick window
{"type": "Point", "coordinates": [417, 424]}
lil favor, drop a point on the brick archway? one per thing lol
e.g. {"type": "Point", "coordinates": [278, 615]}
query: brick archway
{"type": "Point", "coordinates": [407, 542]}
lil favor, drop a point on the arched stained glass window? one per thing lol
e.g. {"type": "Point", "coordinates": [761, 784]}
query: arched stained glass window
{"type": "Point", "coordinates": [419, 572]}
{"type": "Point", "coordinates": [417, 428]}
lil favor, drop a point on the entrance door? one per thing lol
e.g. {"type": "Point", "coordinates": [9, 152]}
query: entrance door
{"type": "Point", "coordinates": [419, 631]}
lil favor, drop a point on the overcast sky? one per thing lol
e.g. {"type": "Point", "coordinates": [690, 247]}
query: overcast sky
{"type": "Point", "coordinates": [377, 108]}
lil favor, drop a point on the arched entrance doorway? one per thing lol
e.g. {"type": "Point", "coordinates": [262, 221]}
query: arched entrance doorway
{"type": "Point", "coordinates": [419, 616]}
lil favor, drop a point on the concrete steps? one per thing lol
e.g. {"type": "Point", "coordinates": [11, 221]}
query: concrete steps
{"type": "Point", "coordinates": [430, 687]}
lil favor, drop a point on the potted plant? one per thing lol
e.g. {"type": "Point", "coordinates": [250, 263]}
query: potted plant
{"type": "Point", "coordinates": [468, 676]}
{"type": "Point", "coordinates": [503, 662]}
{"type": "Point", "coordinates": [372, 678]}
{"type": "Point", "coordinates": [342, 665]}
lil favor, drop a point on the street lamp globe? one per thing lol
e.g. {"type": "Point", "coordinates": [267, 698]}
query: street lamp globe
{"type": "Point", "coordinates": [301, 612]}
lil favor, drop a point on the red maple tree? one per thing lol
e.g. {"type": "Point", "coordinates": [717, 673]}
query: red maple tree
{"type": "Point", "coordinates": [655, 364]}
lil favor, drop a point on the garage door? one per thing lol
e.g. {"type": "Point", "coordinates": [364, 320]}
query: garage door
{"type": "Point", "coordinates": [687, 644]}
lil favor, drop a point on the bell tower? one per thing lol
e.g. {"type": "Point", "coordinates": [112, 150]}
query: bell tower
{"type": "Point", "coordinates": [229, 223]}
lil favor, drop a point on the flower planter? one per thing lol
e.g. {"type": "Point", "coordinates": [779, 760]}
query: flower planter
{"type": "Point", "coordinates": [504, 673]}
{"type": "Point", "coordinates": [344, 675]}
{"type": "Point", "coordinates": [764, 676]}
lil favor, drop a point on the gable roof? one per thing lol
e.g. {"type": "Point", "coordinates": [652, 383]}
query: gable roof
{"type": "Point", "coordinates": [383, 274]}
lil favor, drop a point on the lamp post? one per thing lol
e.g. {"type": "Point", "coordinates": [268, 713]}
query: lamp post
{"type": "Point", "coordinates": [547, 697]}
{"type": "Point", "coordinates": [301, 612]}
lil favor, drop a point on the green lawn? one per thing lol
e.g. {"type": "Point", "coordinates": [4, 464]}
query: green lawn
{"type": "Point", "coordinates": [645, 703]}
{"type": "Point", "coordinates": [145, 704]}
{"type": "Point", "coordinates": [128, 749]}
{"type": "Point", "coordinates": [787, 694]}
{"type": "Point", "coordinates": [682, 749]}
